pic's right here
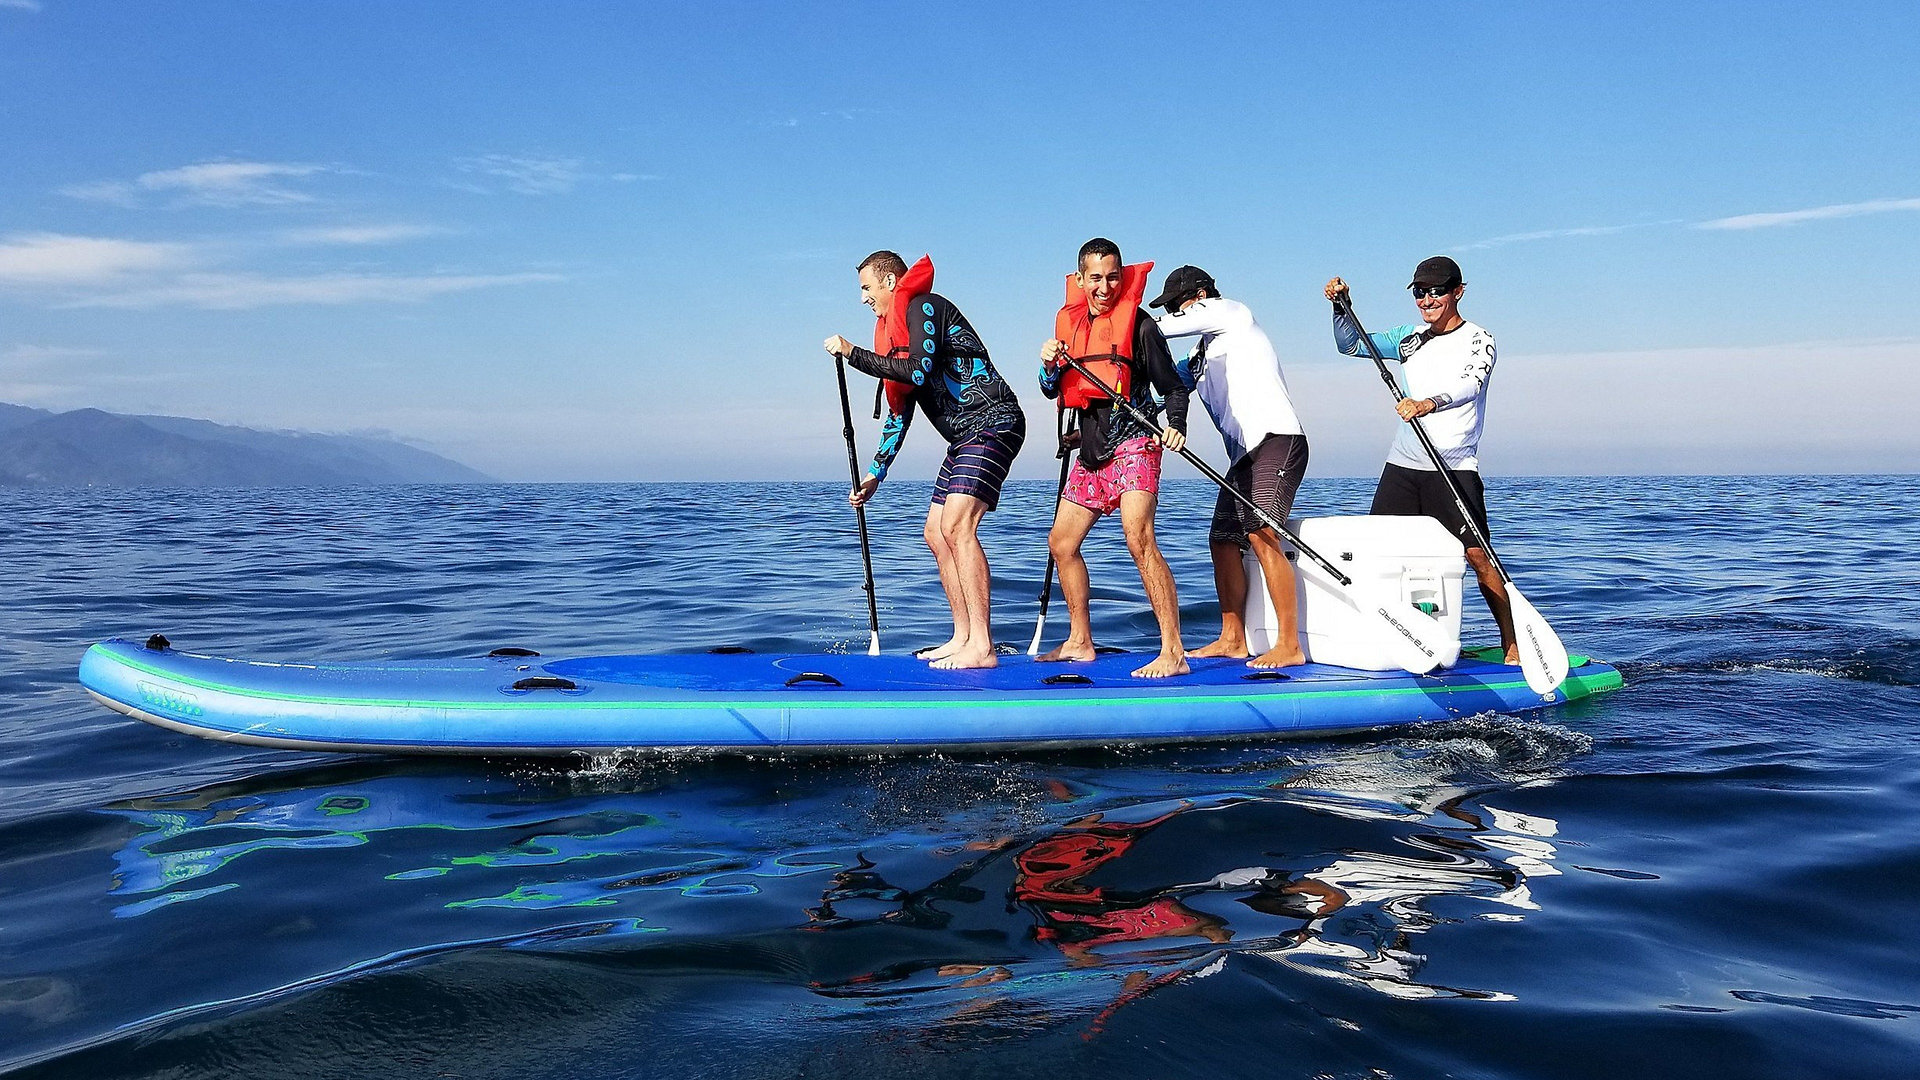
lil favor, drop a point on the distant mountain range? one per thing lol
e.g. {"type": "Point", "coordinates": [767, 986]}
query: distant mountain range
{"type": "Point", "coordinates": [90, 447]}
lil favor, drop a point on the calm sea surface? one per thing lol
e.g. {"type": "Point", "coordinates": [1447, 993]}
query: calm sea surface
{"type": "Point", "coordinates": [1712, 873]}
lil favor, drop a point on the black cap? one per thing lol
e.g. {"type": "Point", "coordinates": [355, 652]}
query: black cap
{"type": "Point", "coordinates": [1183, 283]}
{"type": "Point", "coordinates": [1438, 270]}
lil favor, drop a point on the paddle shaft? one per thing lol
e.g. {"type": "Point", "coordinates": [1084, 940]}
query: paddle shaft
{"type": "Point", "coordinates": [859, 512]}
{"type": "Point", "coordinates": [1061, 427]}
{"type": "Point", "coordinates": [1426, 442]}
{"type": "Point", "coordinates": [1207, 470]}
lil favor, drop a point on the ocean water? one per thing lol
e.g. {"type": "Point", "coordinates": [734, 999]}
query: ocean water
{"type": "Point", "coordinates": [1714, 872]}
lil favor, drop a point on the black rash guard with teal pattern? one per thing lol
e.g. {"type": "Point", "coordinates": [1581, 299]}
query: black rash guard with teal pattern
{"type": "Point", "coordinates": [953, 380]}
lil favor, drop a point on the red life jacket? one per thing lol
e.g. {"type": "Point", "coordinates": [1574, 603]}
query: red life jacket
{"type": "Point", "coordinates": [893, 332]}
{"type": "Point", "coordinates": [1104, 343]}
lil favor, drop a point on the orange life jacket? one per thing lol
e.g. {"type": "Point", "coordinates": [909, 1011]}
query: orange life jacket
{"type": "Point", "coordinates": [893, 332]}
{"type": "Point", "coordinates": [1103, 343]}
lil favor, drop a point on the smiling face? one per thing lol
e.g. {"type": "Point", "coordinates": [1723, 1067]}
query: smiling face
{"type": "Point", "coordinates": [1099, 279]}
{"type": "Point", "coordinates": [876, 291]}
{"type": "Point", "coordinates": [1440, 312]}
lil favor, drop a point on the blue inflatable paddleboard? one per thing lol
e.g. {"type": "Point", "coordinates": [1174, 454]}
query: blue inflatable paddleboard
{"type": "Point", "coordinates": [515, 702]}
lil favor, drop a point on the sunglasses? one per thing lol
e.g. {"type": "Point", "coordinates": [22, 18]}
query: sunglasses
{"type": "Point", "coordinates": [1421, 292]}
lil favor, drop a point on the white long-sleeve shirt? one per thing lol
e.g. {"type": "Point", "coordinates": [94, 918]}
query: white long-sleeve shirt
{"type": "Point", "coordinates": [1235, 371]}
{"type": "Point", "coordinates": [1453, 369]}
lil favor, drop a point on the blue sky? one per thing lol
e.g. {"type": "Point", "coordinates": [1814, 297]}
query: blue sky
{"type": "Point", "coordinates": [603, 241]}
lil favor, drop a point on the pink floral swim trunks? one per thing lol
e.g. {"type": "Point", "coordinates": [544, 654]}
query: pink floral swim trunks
{"type": "Point", "coordinates": [1135, 466]}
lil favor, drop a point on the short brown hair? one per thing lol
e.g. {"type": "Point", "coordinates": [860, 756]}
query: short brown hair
{"type": "Point", "coordinates": [884, 262]}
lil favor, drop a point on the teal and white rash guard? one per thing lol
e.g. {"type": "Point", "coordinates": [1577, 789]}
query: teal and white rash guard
{"type": "Point", "coordinates": [1451, 368]}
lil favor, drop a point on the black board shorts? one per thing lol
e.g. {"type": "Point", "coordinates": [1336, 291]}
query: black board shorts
{"type": "Point", "coordinates": [1270, 475]}
{"type": "Point", "coordinates": [1405, 492]}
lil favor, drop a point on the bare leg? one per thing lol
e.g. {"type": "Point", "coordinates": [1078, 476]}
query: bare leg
{"type": "Point", "coordinates": [1230, 581]}
{"type": "Point", "coordinates": [936, 539]}
{"type": "Point", "coordinates": [1071, 523]}
{"type": "Point", "coordinates": [1278, 574]}
{"type": "Point", "coordinates": [961, 525]}
{"type": "Point", "coordinates": [1136, 518]}
{"type": "Point", "coordinates": [1495, 591]}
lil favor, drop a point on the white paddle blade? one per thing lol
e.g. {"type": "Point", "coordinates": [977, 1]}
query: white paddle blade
{"type": "Point", "coordinates": [1033, 647]}
{"type": "Point", "coordinates": [1543, 660]}
{"type": "Point", "coordinates": [1404, 629]}
{"type": "Point", "coordinates": [1407, 628]}
{"type": "Point", "coordinates": [873, 644]}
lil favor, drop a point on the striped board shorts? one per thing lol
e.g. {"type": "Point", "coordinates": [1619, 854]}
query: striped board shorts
{"type": "Point", "coordinates": [1270, 475]}
{"type": "Point", "coordinates": [978, 466]}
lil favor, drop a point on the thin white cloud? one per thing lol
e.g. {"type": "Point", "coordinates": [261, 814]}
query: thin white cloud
{"type": "Point", "coordinates": [233, 292]}
{"type": "Point", "coordinates": [355, 235]}
{"type": "Point", "coordinates": [1558, 234]}
{"type": "Point", "coordinates": [54, 259]}
{"type": "Point", "coordinates": [92, 272]}
{"type": "Point", "coordinates": [1817, 213]}
{"type": "Point", "coordinates": [208, 183]}
{"type": "Point", "coordinates": [21, 5]}
{"type": "Point", "coordinates": [542, 175]}
{"type": "Point", "coordinates": [1736, 222]}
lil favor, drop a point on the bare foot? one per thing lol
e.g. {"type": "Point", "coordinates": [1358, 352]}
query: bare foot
{"type": "Point", "coordinates": [1166, 665]}
{"type": "Point", "coordinates": [1278, 658]}
{"type": "Point", "coordinates": [1512, 659]}
{"type": "Point", "coordinates": [968, 657]}
{"type": "Point", "coordinates": [941, 651]}
{"type": "Point", "coordinates": [1068, 650]}
{"type": "Point", "coordinates": [1221, 646]}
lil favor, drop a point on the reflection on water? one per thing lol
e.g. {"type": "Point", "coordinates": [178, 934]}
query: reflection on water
{"type": "Point", "coordinates": [1096, 886]}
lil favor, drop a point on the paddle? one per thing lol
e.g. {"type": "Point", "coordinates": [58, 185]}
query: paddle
{"type": "Point", "coordinates": [859, 512]}
{"type": "Point", "coordinates": [1543, 660]}
{"type": "Point", "coordinates": [1061, 427]}
{"type": "Point", "coordinates": [1404, 637]}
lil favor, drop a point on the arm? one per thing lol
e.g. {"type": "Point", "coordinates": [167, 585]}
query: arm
{"type": "Point", "coordinates": [1346, 337]}
{"type": "Point", "coordinates": [1200, 318]}
{"type": "Point", "coordinates": [893, 431]}
{"type": "Point", "coordinates": [1150, 353]}
{"type": "Point", "coordinates": [897, 368]}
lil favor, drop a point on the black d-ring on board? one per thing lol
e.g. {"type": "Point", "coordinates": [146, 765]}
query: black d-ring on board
{"type": "Point", "coordinates": [1067, 678]}
{"type": "Point", "coordinates": [1267, 676]}
{"type": "Point", "coordinates": [545, 682]}
{"type": "Point", "coordinates": [511, 650]}
{"type": "Point", "coordinates": [814, 677]}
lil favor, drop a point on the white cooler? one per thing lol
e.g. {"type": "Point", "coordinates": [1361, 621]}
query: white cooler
{"type": "Point", "coordinates": [1414, 558]}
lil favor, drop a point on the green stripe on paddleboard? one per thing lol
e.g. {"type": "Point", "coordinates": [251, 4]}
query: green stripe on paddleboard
{"type": "Point", "coordinates": [1576, 686]}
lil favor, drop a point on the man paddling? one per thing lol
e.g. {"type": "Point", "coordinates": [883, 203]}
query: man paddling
{"type": "Point", "coordinates": [1445, 363]}
{"type": "Point", "coordinates": [932, 358]}
{"type": "Point", "coordinates": [1118, 464]}
{"type": "Point", "coordinates": [1237, 374]}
